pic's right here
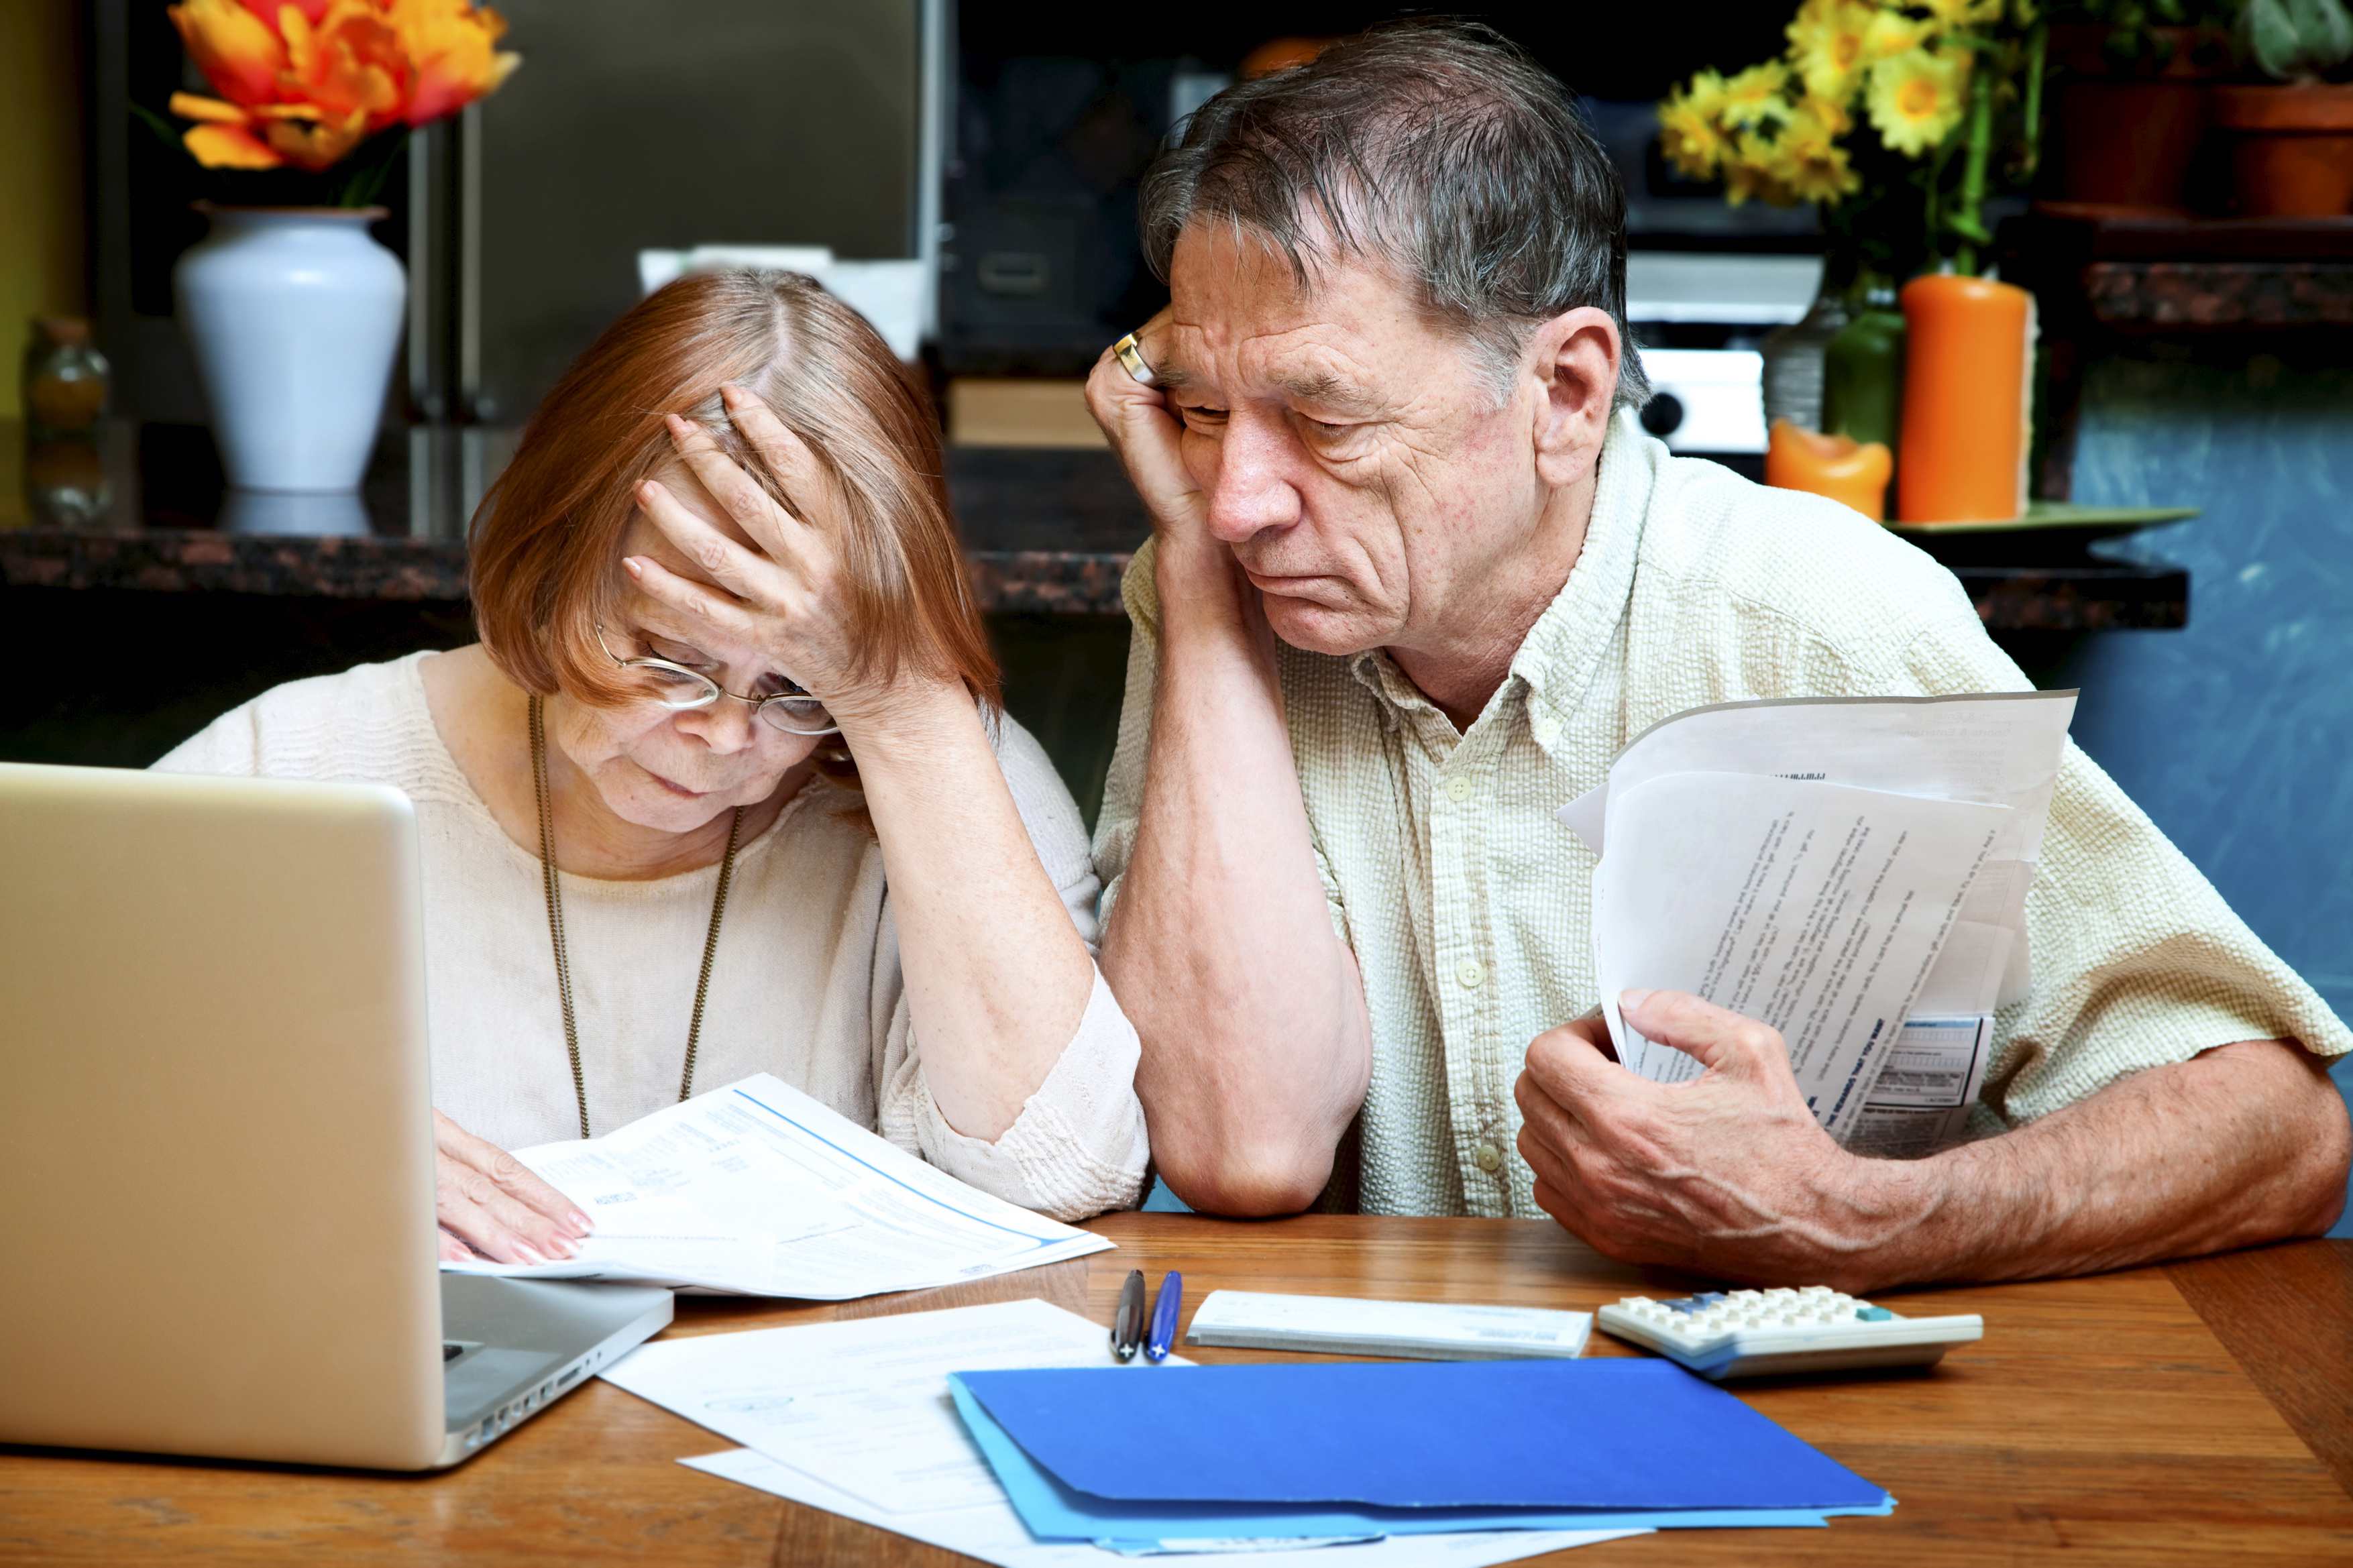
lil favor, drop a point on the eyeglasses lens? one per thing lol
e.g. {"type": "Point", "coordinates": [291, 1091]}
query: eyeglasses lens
{"type": "Point", "coordinates": [673, 688]}
{"type": "Point", "coordinates": [798, 715]}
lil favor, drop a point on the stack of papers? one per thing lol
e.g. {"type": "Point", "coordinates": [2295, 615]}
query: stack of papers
{"type": "Point", "coordinates": [856, 1418]}
{"type": "Point", "coordinates": [1851, 871]}
{"type": "Point", "coordinates": [1181, 1459]}
{"type": "Point", "coordinates": [757, 1189]}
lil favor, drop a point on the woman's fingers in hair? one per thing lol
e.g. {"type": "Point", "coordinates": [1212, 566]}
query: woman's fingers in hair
{"type": "Point", "coordinates": [752, 507]}
{"type": "Point", "coordinates": [719, 558]}
{"type": "Point", "coordinates": [788, 456]}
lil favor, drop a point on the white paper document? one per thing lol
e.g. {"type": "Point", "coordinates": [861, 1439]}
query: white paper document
{"type": "Point", "coordinates": [993, 1532]}
{"type": "Point", "coordinates": [1837, 868]}
{"type": "Point", "coordinates": [758, 1189]}
{"type": "Point", "coordinates": [1922, 1099]}
{"type": "Point", "coordinates": [856, 1418]}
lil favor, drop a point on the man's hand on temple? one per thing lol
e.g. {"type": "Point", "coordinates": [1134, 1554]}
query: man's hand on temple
{"type": "Point", "coordinates": [1144, 430]}
{"type": "Point", "coordinates": [1728, 1174]}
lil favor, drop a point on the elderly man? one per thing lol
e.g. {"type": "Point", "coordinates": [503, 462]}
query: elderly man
{"type": "Point", "coordinates": [1417, 574]}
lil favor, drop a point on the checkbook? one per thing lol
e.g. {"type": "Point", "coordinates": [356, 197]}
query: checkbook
{"type": "Point", "coordinates": [1423, 1331]}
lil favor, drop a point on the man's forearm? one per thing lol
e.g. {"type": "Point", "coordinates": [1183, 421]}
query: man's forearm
{"type": "Point", "coordinates": [1256, 1050]}
{"type": "Point", "coordinates": [2243, 1144]}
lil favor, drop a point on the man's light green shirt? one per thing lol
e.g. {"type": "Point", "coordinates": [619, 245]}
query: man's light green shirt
{"type": "Point", "coordinates": [1469, 907]}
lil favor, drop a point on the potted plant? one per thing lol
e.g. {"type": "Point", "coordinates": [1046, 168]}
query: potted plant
{"type": "Point", "coordinates": [2292, 141]}
{"type": "Point", "coordinates": [2129, 102]}
{"type": "Point", "coordinates": [293, 311]}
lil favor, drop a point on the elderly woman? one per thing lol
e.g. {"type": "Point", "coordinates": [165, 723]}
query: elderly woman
{"type": "Point", "coordinates": [725, 787]}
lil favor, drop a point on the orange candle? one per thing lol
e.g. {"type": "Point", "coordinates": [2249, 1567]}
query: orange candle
{"type": "Point", "coordinates": [1839, 467]}
{"type": "Point", "coordinates": [1968, 386]}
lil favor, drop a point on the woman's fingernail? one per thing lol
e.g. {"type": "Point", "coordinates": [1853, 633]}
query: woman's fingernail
{"type": "Point", "coordinates": [564, 1246]}
{"type": "Point", "coordinates": [1631, 1001]}
{"type": "Point", "coordinates": [635, 568]}
{"type": "Point", "coordinates": [730, 395]}
{"type": "Point", "coordinates": [528, 1253]}
{"type": "Point", "coordinates": [582, 1223]}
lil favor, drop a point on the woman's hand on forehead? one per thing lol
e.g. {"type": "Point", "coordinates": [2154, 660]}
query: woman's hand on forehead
{"type": "Point", "coordinates": [779, 602]}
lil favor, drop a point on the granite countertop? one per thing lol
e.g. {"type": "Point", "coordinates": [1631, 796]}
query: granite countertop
{"type": "Point", "coordinates": [2136, 273]}
{"type": "Point", "coordinates": [1046, 532]}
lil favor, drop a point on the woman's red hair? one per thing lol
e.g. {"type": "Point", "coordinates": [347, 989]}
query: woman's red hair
{"type": "Point", "coordinates": [545, 555]}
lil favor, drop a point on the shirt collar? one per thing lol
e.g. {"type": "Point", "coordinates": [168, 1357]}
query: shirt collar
{"type": "Point", "coordinates": [1558, 656]}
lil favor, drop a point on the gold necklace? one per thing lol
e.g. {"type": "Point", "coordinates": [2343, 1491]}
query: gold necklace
{"type": "Point", "coordinates": [555, 922]}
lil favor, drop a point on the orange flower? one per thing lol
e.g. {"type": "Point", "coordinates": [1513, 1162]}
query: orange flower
{"type": "Point", "coordinates": [451, 45]}
{"type": "Point", "coordinates": [267, 136]}
{"type": "Point", "coordinates": [304, 81]}
{"type": "Point", "coordinates": [350, 61]}
{"type": "Point", "coordinates": [267, 10]}
{"type": "Point", "coordinates": [239, 54]}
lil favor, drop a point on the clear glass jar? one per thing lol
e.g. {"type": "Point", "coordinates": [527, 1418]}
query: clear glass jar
{"type": "Point", "coordinates": [1794, 354]}
{"type": "Point", "coordinates": [66, 482]}
{"type": "Point", "coordinates": [66, 381]}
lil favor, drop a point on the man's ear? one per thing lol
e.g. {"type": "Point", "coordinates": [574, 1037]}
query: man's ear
{"type": "Point", "coordinates": [1575, 357]}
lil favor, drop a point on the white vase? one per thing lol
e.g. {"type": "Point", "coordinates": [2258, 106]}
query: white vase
{"type": "Point", "coordinates": [294, 314]}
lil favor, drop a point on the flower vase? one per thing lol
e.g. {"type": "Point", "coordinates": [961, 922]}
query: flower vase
{"type": "Point", "coordinates": [294, 314]}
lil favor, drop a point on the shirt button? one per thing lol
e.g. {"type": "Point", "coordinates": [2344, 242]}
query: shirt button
{"type": "Point", "coordinates": [1457, 789]}
{"type": "Point", "coordinates": [1489, 1158]}
{"type": "Point", "coordinates": [1470, 974]}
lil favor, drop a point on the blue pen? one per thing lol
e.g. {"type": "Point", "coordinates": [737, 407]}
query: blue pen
{"type": "Point", "coordinates": [1164, 1317]}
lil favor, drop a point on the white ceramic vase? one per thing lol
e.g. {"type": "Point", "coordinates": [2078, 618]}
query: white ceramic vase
{"type": "Point", "coordinates": [294, 314]}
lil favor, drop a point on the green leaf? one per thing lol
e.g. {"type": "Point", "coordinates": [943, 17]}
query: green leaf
{"type": "Point", "coordinates": [156, 122]}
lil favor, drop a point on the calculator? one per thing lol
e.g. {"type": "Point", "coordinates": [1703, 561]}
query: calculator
{"type": "Point", "coordinates": [1748, 1333]}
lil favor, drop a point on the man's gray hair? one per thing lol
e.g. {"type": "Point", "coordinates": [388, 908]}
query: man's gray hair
{"type": "Point", "coordinates": [1435, 146]}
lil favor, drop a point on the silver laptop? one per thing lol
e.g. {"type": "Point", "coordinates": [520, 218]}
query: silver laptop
{"type": "Point", "coordinates": [215, 1139]}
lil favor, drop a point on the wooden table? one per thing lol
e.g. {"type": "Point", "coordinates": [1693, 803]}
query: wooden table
{"type": "Point", "coordinates": [2199, 1413]}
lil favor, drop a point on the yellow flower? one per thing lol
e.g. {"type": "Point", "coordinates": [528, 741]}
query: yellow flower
{"type": "Point", "coordinates": [1689, 136]}
{"type": "Point", "coordinates": [1890, 34]}
{"type": "Point", "coordinates": [1916, 99]}
{"type": "Point", "coordinates": [1826, 43]}
{"type": "Point", "coordinates": [1805, 134]}
{"type": "Point", "coordinates": [1836, 119]}
{"type": "Point", "coordinates": [1744, 182]}
{"type": "Point", "coordinates": [1963, 13]}
{"type": "Point", "coordinates": [1795, 158]}
{"type": "Point", "coordinates": [1814, 166]}
{"type": "Point", "coordinates": [1755, 94]}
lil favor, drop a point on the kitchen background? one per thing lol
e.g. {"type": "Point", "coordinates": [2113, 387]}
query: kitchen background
{"type": "Point", "coordinates": [989, 151]}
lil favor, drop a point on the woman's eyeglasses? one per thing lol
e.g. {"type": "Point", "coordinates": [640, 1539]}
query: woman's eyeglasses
{"type": "Point", "coordinates": [679, 688]}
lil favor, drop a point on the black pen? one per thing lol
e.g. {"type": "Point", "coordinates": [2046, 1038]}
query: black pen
{"type": "Point", "coordinates": [1127, 1328]}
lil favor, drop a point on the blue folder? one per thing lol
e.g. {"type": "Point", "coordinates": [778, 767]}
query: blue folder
{"type": "Point", "coordinates": [1054, 1512]}
{"type": "Point", "coordinates": [1370, 1448]}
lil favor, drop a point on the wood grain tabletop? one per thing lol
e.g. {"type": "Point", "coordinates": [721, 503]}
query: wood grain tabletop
{"type": "Point", "coordinates": [2197, 1413]}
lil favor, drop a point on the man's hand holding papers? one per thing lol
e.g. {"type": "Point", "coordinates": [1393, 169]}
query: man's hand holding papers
{"type": "Point", "coordinates": [1792, 894]}
{"type": "Point", "coordinates": [1728, 1174]}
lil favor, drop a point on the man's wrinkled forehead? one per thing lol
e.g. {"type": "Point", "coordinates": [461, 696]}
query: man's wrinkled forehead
{"type": "Point", "coordinates": [1239, 309]}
